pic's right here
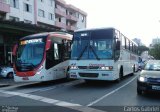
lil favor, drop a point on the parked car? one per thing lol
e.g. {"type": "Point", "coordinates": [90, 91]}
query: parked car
{"type": "Point", "coordinates": [149, 78]}
{"type": "Point", "coordinates": [6, 72]}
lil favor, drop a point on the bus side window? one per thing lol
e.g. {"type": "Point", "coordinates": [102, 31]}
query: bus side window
{"type": "Point", "coordinates": [123, 42]}
{"type": "Point", "coordinates": [66, 49]}
{"type": "Point", "coordinates": [53, 56]}
{"type": "Point", "coordinates": [56, 53]}
{"type": "Point", "coordinates": [50, 57]}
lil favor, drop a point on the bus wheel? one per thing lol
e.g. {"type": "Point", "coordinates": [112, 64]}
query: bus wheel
{"type": "Point", "coordinates": [139, 92]}
{"type": "Point", "coordinates": [88, 81]}
{"type": "Point", "coordinates": [120, 75]}
{"type": "Point", "coordinates": [10, 75]}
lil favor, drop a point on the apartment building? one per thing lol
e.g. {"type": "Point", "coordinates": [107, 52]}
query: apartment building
{"type": "Point", "coordinates": [68, 17]}
{"type": "Point", "coordinates": [38, 15]}
{"type": "Point", "coordinates": [4, 8]}
{"type": "Point", "coordinates": [54, 13]}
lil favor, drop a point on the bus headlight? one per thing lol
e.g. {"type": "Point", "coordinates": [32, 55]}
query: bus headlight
{"type": "Point", "coordinates": [4, 71]}
{"type": "Point", "coordinates": [40, 70]}
{"type": "Point", "coordinates": [106, 68]}
{"type": "Point", "coordinates": [73, 67]}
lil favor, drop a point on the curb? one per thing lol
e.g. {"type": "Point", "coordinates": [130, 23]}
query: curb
{"type": "Point", "coordinates": [4, 85]}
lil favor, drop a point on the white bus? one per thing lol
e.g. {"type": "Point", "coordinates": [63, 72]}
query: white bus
{"type": "Point", "coordinates": [102, 54]}
{"type": "Point", "coordinates": [42, 57]}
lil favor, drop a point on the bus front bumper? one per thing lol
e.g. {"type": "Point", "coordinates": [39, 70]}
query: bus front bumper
{"type": "Point", "coordinates": [93, 75]}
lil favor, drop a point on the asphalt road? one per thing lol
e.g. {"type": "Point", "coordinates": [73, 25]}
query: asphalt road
{"type": "Point", "coordinates": [76, 95]}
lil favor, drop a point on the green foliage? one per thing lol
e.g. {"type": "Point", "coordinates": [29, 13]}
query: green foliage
{"type": "Point", "coordinates": [155, 51]}
{"type": "Point", "coordinates": [141, 49]}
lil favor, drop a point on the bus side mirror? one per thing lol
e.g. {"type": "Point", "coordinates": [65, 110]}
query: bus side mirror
{"type": "Point", "coordinates": [14, 51]}
{"type": "Point", "coordinates": [48, 44]}
{"type": "Point", "coordinates": [118, 45]}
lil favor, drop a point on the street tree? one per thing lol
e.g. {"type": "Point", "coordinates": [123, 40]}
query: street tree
{"type": "Point", "coordinates": [155, 51]}
{"type": "Point", "coordinates": [142, 49]}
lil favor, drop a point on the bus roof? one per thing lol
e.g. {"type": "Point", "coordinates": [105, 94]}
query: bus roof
{"type": "Point", "coordinates": [66, 35]}
{"type": "Point", "coordinates": [103, 28]}
{"type": "Point", "coordinates": [91, 29]}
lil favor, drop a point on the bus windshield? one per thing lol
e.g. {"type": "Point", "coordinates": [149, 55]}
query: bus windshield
{"type": "Point", "coordinates": [92, 45]}
{"type": "Point", "coordinates": [30, 53]}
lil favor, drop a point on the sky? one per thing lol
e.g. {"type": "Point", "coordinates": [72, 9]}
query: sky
{"type": "Point", "coordinates": [134, 18]}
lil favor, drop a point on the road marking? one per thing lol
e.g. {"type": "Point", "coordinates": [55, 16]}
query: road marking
{"type": "Point", "coordinates": [106, 95]}
{"type": "Point", "coordinates": [42, 89]}
{"type": "Point", "coordinates": [53, 101]}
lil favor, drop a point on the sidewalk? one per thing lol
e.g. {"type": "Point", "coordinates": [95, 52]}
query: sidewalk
{"type": "Point", "coordinates": [4, 85]}
{"type": "Point", "coordinates": [6, 82]}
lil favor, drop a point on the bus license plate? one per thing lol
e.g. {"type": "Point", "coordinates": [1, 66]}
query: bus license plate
{"type": "Point", "coordinates": [156, 87]}
{"type": "Point", "coordinates": [25, 78]}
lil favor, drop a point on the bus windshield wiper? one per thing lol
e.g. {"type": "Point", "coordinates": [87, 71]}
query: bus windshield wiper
{"type": "Point", "coordinates": [94, 53]}
{"type": "Point", "coordinates": [29, 64]}
{"type": "Point", "coordinates": [82, 52]}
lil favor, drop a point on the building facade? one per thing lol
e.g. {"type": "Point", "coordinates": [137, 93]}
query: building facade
{"type": "Point", "coordinates": [45, 12]}
{"type": "Point", "coordinates": [54, 14]}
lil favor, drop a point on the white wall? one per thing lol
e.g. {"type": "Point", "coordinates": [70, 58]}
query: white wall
{"type": "Point", "coordinates": [45, 5]}
{"type": "Point", "coordinates": [20, 13]}
{"type": "Point", "coordinates": [81, 24]}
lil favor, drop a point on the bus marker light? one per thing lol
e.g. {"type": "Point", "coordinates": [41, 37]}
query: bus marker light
{"type": "Point", "coordinates": [106, 68]}
{"type": "Point", "coordinates": [73, 67]}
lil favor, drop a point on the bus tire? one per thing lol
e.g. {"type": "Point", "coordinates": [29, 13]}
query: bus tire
{"type": "Point", "coordinates": [88, 81]}
{"type": "Point", "coordinates": [120, 75]}
{"type": "Point", "coordinates": [10, 75]}
{"type": "Point", "coordinates": [139, 92]}
{"type": "Point", "coordinates": [67, 74]}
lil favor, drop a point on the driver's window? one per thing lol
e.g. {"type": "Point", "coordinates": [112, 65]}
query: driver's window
{"type": "Point", "coordinates": [101, 45]}
{"type": "Point", "coordinates": [56, 54]}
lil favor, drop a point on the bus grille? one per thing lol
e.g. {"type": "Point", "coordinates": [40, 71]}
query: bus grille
{"type": "Point", "coordinates": [88, 74]}
{"type": "Point", "coordinates": [88, 67]}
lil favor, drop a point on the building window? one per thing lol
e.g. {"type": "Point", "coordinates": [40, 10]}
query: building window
{"type": "Point", "coordinates": [82, 18]}
{"type": "Point", "coordinates": [41, 13]}
{"type": "Point", "coordinates": [78, 15]}
{"type": "Point", "coordinates": [13, 18]}
{"type": "Point", "coordinates": [27, 21]}
{"type": "Point", "coordinates": [51, 2]}
{"type": "Point", "coordinates": [56, 53]}
{"type": "Point", "coordinates": [14, 3]}
{"type": "Point", "coordinates": [27, 7]}
{"type": "Point", "coordinates": [51, 16]}
{"type": "Point", "coordinates": [59, 19]}
{"type": "Point", "coordinates": [70, 13]}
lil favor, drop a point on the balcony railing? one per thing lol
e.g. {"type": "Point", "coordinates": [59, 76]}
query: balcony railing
{"type": "Point", "coordinates": [60, 24]}
{"type": "Point", "coordinates": [4, 7]}
{"type": "Point", "coordinates": [59, 12]}
{"type": "Point", "coordinates": [71, 28]}
{"type": "Point", "coordinates": [73, 18]}
{"type": "Point", "coordinates": [62, 2]}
